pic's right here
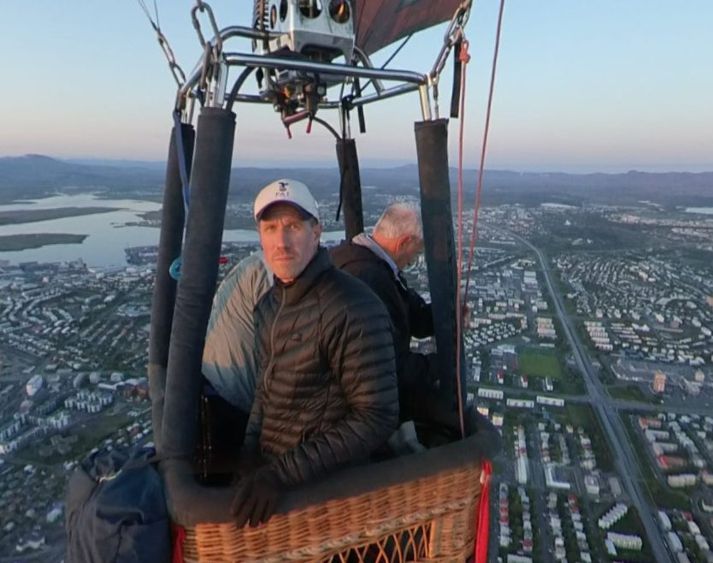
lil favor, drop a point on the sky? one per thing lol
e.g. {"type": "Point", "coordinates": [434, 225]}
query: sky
{"type": "Point", "coordinates": [582, 86]}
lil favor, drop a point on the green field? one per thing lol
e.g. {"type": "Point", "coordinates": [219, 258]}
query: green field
{"type": "Point", "coordinates": [539, 363]}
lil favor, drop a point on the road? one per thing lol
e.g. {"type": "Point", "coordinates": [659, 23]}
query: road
{"type": "Point", "coordinates": [623, 405]}
{"type": "Point", "coordinates": [617, 404]}
{"type": "Point", "coordinates": [625, 459]}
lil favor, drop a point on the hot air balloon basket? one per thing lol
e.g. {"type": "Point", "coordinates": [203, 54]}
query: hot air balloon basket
{"type": "Point", "coordinates": [432, 518]}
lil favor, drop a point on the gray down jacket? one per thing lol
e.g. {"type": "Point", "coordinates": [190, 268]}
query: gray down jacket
{"type": "Point", "coordinates": [328, 394]}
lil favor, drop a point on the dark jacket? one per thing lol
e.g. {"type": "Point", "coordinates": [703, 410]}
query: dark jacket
{"type": "Point", "coordinates": [410, 315]}
{"type": "Point", "coordinates": [328, 394]}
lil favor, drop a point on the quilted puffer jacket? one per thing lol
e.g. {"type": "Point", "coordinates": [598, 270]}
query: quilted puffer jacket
{"type": "Point", "coordinates": [328, 393]}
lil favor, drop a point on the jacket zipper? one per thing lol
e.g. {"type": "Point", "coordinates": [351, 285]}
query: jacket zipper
{"type": "Point", "coordinates": [270, 363]}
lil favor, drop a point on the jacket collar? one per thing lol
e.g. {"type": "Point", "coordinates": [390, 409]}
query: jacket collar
{"type": "Point", "coordinates": [294, 291]}
{"type": "Point", "coordinates": [369, 243]}
{"type": "Point", "coordinates": [362, 239]}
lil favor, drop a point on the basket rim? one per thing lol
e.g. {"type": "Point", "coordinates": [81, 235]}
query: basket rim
{"type": "Point", "coordinates": [190, 503]}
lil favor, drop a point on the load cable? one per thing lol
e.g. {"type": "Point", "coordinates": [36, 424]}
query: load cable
{"type": "Point", "coordinates": [392, 56]}
{"type": "Point", "coordinates": [177, 72]}
{"type": "Point", "coordinates": [357, 88]}
{"type": "Point", "coordinates": [479, 187]}
{"type": "Point", "coordinates": [464, 58]}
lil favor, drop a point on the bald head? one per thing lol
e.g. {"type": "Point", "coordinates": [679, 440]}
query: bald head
{"type": "Point", "coordinates": [399, 232]}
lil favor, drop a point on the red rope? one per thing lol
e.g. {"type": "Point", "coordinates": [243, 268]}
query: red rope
{"type": "Point", "coordinates": [179, 537]}
{"type": "Point", "coordinates": [482, 533]}
{"type": "Point", "coordinates": [479, 189]}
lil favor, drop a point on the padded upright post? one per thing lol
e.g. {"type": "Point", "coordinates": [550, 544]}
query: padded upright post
{"type": "Point", "coordinates": [432, 151]}
{"type": "Point", "coordinates": [350, 192]}
{"type": "Point", "coordinates": [210, 179]}
{"type": "Point", "coordinates": [164, 291]}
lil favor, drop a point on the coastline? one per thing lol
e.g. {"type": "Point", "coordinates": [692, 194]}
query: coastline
{"type": "Point", "coordinates": [21, 216]}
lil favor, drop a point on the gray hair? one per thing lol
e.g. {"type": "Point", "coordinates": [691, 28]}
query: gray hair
{"type": "Point", "coordinates": [398, 219]}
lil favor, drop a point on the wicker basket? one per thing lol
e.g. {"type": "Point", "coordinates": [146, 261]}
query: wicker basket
{"type": "Point", "coordinates": [418, 507]}
{"type": "Point", "coordinates": [428, 519]}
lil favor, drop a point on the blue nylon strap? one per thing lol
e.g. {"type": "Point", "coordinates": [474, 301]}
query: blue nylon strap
{"type": "Point", "coordinates": [175, 269]}
{"type": "Point", "coordinates": [182, 168]}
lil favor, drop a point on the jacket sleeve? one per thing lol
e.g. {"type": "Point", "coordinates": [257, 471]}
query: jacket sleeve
{"type": "Point", "coordinates": [381, 281]}
{"type": "Point", "coordinates": [420, 315]}
{"type": "Point", "coordinates": [360, 351]}
{"type": "Point", "coordinates": [404, 306]}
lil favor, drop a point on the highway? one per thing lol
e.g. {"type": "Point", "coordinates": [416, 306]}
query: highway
{"type": "Point", "coordinates": [617, 404]}
{"type": "Point", "coordinates": [625, 459]}
{"type": "Point", "coordinates": [622, 405]}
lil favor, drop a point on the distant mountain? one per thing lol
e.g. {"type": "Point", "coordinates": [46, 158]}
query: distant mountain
{"type": "Point", "coordinates": [501, 186]}
{"type": "Point", "coordinates": [34, 176]}
{"type": "Point", "coordinates": [151, 164]}
{"type": "Point", "coordinates": [671, 188]}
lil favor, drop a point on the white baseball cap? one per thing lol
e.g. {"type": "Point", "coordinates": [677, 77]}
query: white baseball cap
{"type": "Point", "coordinates": [286, 191]}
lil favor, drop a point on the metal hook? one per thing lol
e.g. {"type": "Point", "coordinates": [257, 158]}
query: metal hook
{"type": "Point", "coordinates": [205, 8]}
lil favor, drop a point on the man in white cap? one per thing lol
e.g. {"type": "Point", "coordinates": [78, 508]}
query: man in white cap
{"type": "Point", "coordinates": [328, 394]}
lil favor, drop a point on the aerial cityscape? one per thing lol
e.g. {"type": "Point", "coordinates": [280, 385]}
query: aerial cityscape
{"type": "Point", "coordinates": [561, 411]}
{"type": "Point", "coordinates": [588, 344]}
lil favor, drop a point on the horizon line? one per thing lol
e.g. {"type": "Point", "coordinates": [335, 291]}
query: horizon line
{"type": "Point", "coordinates": [366, 163]}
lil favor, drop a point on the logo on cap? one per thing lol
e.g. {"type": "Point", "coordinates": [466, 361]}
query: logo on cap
{"type": "Point", "coordinates": [283, 190]}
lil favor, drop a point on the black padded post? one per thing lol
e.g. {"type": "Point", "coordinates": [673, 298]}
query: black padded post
{"type": "Point", "coordinates": [350, 187]}
{"type": "Point", "coordinates": [210, 180]}
{"type": "Point", "coordinates": [164, 292]}
{"type": "Point", "coordinates": [432, 152]}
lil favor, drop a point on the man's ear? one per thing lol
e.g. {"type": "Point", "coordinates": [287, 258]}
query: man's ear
{"type": "Point", "coordinates": [402, 242]}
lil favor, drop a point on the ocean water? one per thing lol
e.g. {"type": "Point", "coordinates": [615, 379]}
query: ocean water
{"type": "Point", "coordinates": [700, 210]}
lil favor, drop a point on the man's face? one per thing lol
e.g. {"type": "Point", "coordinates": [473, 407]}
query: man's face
{"type": "Point", "coordinates": [288, 241]}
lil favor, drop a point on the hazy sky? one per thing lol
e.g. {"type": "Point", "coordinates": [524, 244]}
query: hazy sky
{"type": "Point", "coordinates": [604, 85]}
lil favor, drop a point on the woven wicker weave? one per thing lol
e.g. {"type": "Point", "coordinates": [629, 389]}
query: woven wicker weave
{"type": "Point", "coordinates": [426, 519]}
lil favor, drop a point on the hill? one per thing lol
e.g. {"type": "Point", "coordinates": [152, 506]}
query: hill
{"type": "Point", "coordinates": [34, 176]}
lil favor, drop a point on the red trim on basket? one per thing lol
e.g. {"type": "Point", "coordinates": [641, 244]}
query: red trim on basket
{"type": "Point", "coordinates": [482, 532]}
{"type": "Point", "coordinates": [179, 536]}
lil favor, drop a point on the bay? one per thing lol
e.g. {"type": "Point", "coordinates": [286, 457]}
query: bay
{"type": "Point", "coordinates": [108, 234]}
